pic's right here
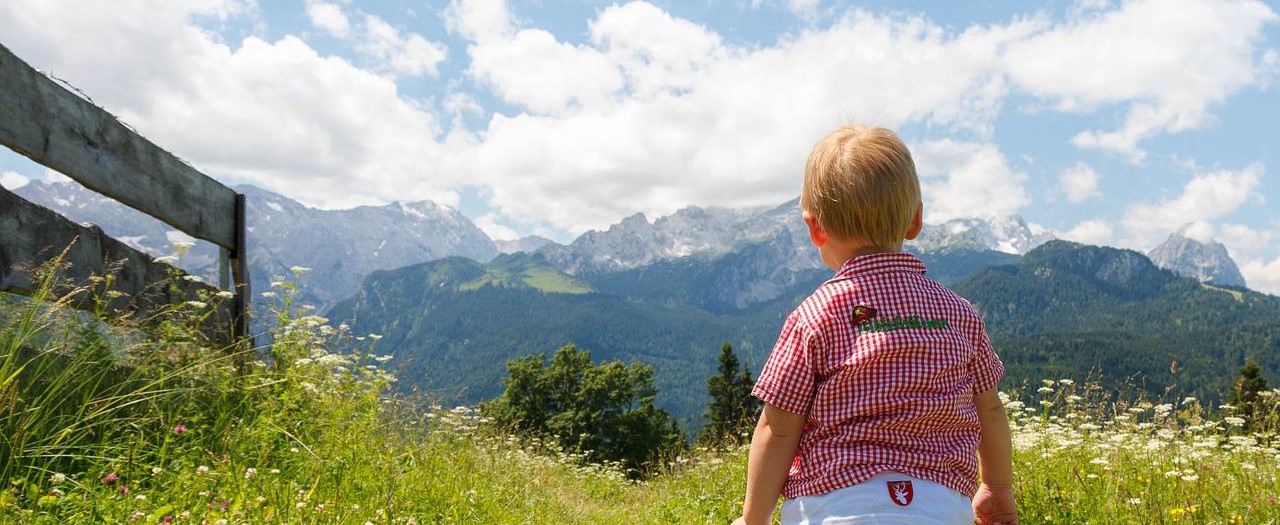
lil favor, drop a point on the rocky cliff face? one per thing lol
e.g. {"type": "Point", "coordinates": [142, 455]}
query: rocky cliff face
{"type": "Point", "coordinates": [1204, 261]}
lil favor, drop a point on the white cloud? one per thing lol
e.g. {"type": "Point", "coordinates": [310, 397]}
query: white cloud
{"type": "Point", "coordinates": [402, 54]}
{"type": "Point", "coordinates": [1245, 242]}
{"type": "Point", "coordinates": [276, 114]}
{"type": "Point", "coordinates": [1080, 183]}
{"type": "Point", "coordinates": [1093, 231]}
{"type": "Point", "coordinates": [967, 179]}
{"type": "Point", "coordinates": [491, 226]}
{"type": "Point", "coordinates": [673, 116]}
{"type": "Point", "coordinates": [1205, 197]}
{"type": "Point", "coordinates": [1169, 60]}
{"type": "Point", "coordinates": [329, 17]}
{"type": "Point", "coordinates": [1261, 275]}
{"type": "Point", "coordinates": [12, 180]}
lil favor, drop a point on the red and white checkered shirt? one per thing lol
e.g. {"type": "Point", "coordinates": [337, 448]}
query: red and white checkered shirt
{"type": "Point", "coordinates": [884, 363]}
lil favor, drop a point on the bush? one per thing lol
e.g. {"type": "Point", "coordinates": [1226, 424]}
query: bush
{"type": "Point", "coordinates": [605, 412]}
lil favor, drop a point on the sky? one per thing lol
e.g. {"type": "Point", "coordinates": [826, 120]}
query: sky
{"type": "Point", "coordinates": [1106, 122]}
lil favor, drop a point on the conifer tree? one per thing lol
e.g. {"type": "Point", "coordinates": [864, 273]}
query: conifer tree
{"type": "Point", "coordinates": [1244, 394]}
{"type": "Point", "coordinates": [732, 410]}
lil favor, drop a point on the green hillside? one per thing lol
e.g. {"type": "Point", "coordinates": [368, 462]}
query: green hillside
{"type": "Point", "coordinates": [1064, 310]}
{"type": "Point", "coordinates": [1068, 310]}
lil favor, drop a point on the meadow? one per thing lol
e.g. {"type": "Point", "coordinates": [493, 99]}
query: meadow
{"type": "Point", "coordinates": [105, 424]}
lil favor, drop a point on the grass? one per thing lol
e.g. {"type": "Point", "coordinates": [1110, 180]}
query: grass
{"type": "Point", "coordinates": [104, 428]}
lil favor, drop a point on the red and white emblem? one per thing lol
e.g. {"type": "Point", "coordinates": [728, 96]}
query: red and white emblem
{"type": "Point", "coordinates": [900, 492]}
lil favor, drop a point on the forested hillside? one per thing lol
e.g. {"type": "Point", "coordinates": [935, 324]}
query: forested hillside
{"type": "Point", "coordinates": [1064, 310]}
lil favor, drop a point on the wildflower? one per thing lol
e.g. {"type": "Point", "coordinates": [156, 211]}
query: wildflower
{"type": "Point", "coordinates": [1066, 382]}
{"type": "Point", "coordinates": [375, 337]}
{"type": "Point", "coordinates": [1044, 390]}
{"type": "Point", "coordinates": [110, 479]}
{"type": "Point", "coordinates": [250, 472]}
{"type": "Point", "coordinates": [277, 284]}
{"type": "Point", "coordinates": [202, 469]}
{"type": "Point", "coordinates": [140, 497]}
{"type": "Point", "coordinates": [299, 270]}
{"type": "Point", "coordinates": [192, 279]}
{"type": "Point", "coordinates": [223, 294]}
{"type": "Point", "coordinates": [1190, 476]}
{"type": "Point", "coordinates": [382, 358]}
{"type": "Point", "coordinates": [197, 304]}
{"type": "Point", "coordinates": [122, 490]}
{"type": "Point", "coordinates": [1134, 501]}
{"type": "Point", "coordinates": [179, 429]}
{"type": "Point", "coordinates": [167, 259]}
{"type": "Point", "coordinates": [268, 295]}
{"type": "Point", "coordinates": [57, 478]}
{"type": "Point", "coordinates": [1234, 421]}
{"type": "Point", "coordinates": [1099, 461]}
{"type": "Point", "coordinates": [222, 521]}
{"type": "Point", "coordinates": [155, 471]}
{"type": "Point", "coordinates": [168, 518]}
{"type": "Point", "coordinates": [1188, 400]}
{"type": "Point", "coordinates": [275, 471]}
{"type": "Point", "coordinates": [135, 516]}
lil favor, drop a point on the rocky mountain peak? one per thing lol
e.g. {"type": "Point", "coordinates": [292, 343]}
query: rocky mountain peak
{"type": "Point", "coordinates": [1206, 261]}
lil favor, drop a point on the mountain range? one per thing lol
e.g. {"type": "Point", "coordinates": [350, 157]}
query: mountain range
{"type": "Point", "coordinates": [454, 305]}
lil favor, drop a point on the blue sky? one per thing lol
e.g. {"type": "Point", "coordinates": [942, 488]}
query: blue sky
{"type": "Point", "coordinates": [1106, 122]}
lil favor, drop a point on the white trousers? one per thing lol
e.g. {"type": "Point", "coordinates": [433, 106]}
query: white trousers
{"type": "Point", "coordinates": [880, 501]}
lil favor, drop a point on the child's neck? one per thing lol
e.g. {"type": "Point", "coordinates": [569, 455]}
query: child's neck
{"type": "Point", "coordinates": [838, 252]}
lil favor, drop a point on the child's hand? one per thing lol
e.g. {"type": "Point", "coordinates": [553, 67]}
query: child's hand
{"type": "Point", "coordinates": [995, 506]}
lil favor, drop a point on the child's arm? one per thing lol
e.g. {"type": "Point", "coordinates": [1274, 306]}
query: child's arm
{"type": "Point", "coordinates": [773, 447]}
{"type": "Point", "coordinates": [993, 503]}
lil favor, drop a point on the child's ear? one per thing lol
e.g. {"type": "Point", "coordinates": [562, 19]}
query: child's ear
{"type": "Point", "coordinates": [917, 223]}
{"type": "Point", "coordinates": [817, 234]}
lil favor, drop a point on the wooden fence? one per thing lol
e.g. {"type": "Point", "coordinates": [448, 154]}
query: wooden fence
{"type": "Point", "coordinates": [50, 124]}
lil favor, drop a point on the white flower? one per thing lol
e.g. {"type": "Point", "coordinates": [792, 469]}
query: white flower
{"type": "Point", "coordinates": [57, 478]}
{"type": "Point", "coordinates": [192, 279]}
{"type": "Point", "coordinates": [202, 469]}
{"type": "Point", "coordinates": [167, 259]}
{"type": "Point", "coordinates": [375, 337]}
{"type": "Point", "coordinates": [1066, 382]}
{"type": "Point", "coordinates": [277, 284]}
{"type": "Point", "coordinates": [1187, 400]}
{"type": "Point", "coordinates": [1044, 390]}
{"type": "Point", "coordinates": [1134, 501]}
{"type": "Point", "coordinates": [155, 471]}
{"type": "Point", "coordinates": [224, 295]}
{"type": "Point", "coordinates": [140, 497]}
{"type": "Point", "coordinates": [1234, 421]}
{"type": "Point", "coordinates": [382, 358]}
{"type": "Point", "coordinates": [299, 270]}
{"type": "Point", "coordinates": [197, 304]}
{"type": "Point", "coordinates": [250, 472]}
{"type": "Point", "coordinates": [268, 295]}
{"type": "Point", "coordinates": [1099, 461]}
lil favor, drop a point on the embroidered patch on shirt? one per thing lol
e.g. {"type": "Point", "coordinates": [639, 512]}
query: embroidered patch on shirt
{"type": "Point", "coordinates": [862, 313]}
{"type": "Point", "coordinates": [900, 492]}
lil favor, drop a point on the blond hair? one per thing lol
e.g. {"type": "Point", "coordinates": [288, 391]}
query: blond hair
{"type": "Point", "coordinates": [860, 183]}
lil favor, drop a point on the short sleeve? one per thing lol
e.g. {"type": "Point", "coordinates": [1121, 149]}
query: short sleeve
{"type": "Point", "coordinates": [987, 367]}
{"type": "Point", "coordinates": [788, 378]}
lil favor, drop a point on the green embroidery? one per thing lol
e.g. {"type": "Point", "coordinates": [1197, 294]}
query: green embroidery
{"type": "Point", "coordinates": [901, 323]}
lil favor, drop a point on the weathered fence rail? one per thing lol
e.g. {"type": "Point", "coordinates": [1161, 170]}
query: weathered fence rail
{"type": "Point", "coordinates": [46, 122]}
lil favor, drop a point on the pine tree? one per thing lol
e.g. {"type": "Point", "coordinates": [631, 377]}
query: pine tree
{"type": "Point", "coordinates": [732, 410]}
{"type": "Point", "coordinates": [1244, 394]}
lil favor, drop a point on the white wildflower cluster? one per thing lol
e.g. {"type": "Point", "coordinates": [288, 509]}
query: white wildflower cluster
{"type": "Point", "coordinates": [1103, 434]}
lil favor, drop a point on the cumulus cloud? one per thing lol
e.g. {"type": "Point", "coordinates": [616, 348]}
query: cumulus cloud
{"type": "Point", "coordinates": [329, 17]}
{"type": "Point", "coordinates": [967, 179]}
{"type": "Point", "coordinates": [1261, 275]}
{"type": "Point", "coordinates": [1205, 197]}
{"type": "Point", "coordinates": [1169, 61]}
{"type": "Point", "coordinates": [12, 180]}
{"type": "Point", "coordinates": [1092, 231]}
{"type": "Point", "coordinates": [1080, 183]}
{"type": "Point", "coordinates": [272, 113]}
{"type": "Point", "coordinates": [403, 54]}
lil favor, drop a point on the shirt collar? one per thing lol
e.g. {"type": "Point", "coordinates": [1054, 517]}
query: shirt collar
{"type": "Point", "coordinates": [880, 262]}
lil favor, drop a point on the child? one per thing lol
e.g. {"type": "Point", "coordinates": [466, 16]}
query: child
{"type": "Point", "coordinates": [881, 387]}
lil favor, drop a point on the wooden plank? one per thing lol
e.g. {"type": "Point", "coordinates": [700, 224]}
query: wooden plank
{"type": "Point", "coordinates": [57, 128]}
{"type": "Point", "coordinates": [33, 235]}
